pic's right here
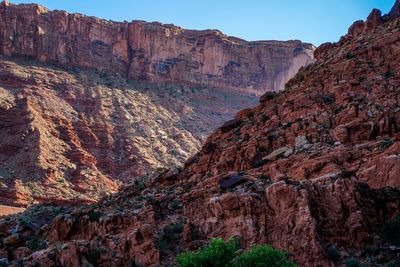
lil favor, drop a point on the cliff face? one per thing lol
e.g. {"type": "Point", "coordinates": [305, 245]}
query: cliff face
{"type": "Point", "coordinates": [149, 51]}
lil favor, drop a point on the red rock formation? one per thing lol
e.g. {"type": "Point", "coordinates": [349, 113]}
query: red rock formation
{"type": "Point", "coordinates": [81, 134]}
{"type": "Point", "coordinates": [319, 169]}
{"type": "Point", "coordinates": [318, 166]}
{"type": "Point", "coordinates": [149, 51]}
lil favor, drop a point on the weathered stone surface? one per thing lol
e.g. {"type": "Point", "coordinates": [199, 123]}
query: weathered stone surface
{"type": "Point", "coordinates": [278, 153]}
{"type": "Point", "coordinates": [301, 142]}
{"type": "Point", "coordinates": [150, 51]}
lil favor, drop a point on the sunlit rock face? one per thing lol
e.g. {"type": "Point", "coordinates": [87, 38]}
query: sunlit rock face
{"type": "Point", "coordinates": [150, 51]}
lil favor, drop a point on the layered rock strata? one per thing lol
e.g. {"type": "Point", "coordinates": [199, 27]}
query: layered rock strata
{"type": "Point", "coordinates": [149, 51]}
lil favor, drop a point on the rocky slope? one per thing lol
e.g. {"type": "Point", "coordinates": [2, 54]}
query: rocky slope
{"type": "Point", "coordinates": [149, 51]}
{"type": "Point", "coordinates": [313, 170]}
{"type": "Point", "coordinates": [80, 134]}
{"type": "Point", "coordinates": [94, 122]}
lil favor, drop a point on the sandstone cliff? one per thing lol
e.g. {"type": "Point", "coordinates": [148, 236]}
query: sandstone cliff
{"type": "Point", "coordinates": [149, 51]}
{"type": "Point", "coordinates": [313, 170]}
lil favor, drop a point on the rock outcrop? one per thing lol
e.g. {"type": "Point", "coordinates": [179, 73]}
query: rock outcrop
{"type": "Point", "coordinates": [149, 51]}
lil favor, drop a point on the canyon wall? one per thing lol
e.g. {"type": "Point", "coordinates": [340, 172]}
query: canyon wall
{"type": "Point", "coordinates": [149, 51]}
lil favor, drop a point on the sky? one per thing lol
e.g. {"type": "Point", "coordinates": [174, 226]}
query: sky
{"type": "Point", "coordinates": [314, 21]}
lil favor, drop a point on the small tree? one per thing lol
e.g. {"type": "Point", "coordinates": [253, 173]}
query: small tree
{"type": "Point", "coordinates": [217, 254]}
{"type": "Point", "coordinates": [223, 254]}
{"type": "Point", "coordinates": [262, 255]}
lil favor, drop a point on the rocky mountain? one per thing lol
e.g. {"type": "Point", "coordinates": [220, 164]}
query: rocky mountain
{"type": "Point", "coordinates": [79, 134]}
{"type": "Point", "coordinates": [88, 104]}
{"type": "Point", "coordinates": [149, 51]}
{"type": "Point", "coordinates": [313, 170]}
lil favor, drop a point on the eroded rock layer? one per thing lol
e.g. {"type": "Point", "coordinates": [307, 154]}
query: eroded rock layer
{"type": "Point", "coordinates": [149, 51]}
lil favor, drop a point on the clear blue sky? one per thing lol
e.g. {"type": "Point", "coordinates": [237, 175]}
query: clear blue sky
{"type": "Point", "coordinates": [315, 21]}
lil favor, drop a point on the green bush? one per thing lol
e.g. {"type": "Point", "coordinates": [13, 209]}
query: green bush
{"type": "Point", "coordinates": [263, 255]}
{"type": "Point", "coordinates": [94, 216]}
{"type": "Point", "coordinates": [389, 74]}
{"type": "Point", "coordinates": [265, 178]}
{"type": "Point", "coordinates": [349, 55]}
{"type": "Point", "coordinates": [223, 254]}
{"type": "Point", "coordinates": [35, 244]}
{"type": "Point", "coordinates": [175, 204]}
{"type": "Point", "coordinates": [386, 142]}
{"type": "Point", "coordinates": [352, 262]}
{"type": "Point", "coordinates": [94, 255]}
{"type": "Point", "coordinates": [333, 254]}
{"type": "Point", "coordinates": [328, 100]}
{"type": "Point", "coordinates": [259, 163]}
{"type": "Point", "coordinates": [264, 117]}
{"type": "Point", "coordinates": [217, 254]}
{"type": "Point", "coordinates": [169, 236]}
{"type": "Point", "coordinates": [391, 231]}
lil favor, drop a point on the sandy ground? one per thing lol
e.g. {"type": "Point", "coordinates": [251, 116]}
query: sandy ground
{"type": "Point", "coordinates": [6, 210]}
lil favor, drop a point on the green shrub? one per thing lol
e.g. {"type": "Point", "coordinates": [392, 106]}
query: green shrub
{"type": "Point", "coordinates": [337, 110]}
{"type": "Point", "coordinates": [264, 118]}
{"type": "Point", "coordinates": [94, 216]}
{"type": "Point", "coordinates": [169, 236]}
{"type": "Point", "coordinates": [259, 163]}
{"type": "Point", "coordinates": [391, 231]}
{"type": "Point", "coordinates": [217, 254]}
{"type": "Point", "coordinates": [171, 230]}
{"type": "Point", "coordinates": [262, 255]}
{"type": "Point", "coordinates": [386, 142]}
{"type": "Point", "coordinates": [94, 255]}
{"type": "Point", "coordinates": [140, 184]}
{"type": "Point", "coordinates": [349, 55]}
{"type": "Point", "coordinates": [175, 204]}
{"type": "Point", "coordinates": [333, 254]}
{"type": "Point", "coordinates": [352, 262]}
{"type": "Point", "coordinates": [389, 74]}
{"type": "Point", "coordinates": [265, 178]}
{"type": "Point", "coordinates": [35, 244]}
{"type": "Point", "coordinates": [223, 254]}
{"type": "Point", "coordinates": [328, 100]}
